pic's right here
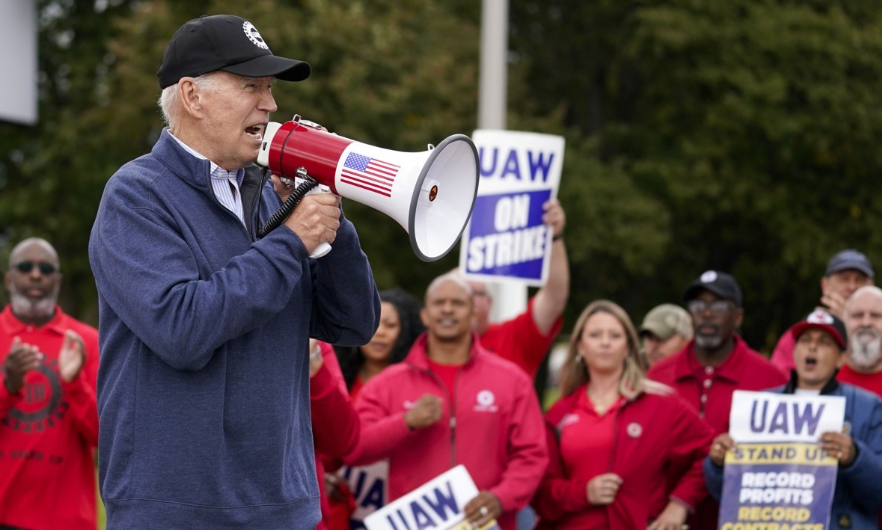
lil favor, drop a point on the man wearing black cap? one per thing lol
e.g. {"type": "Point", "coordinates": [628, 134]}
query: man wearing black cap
{"type": "Point", "coordinates": [821, 345]}
{"type": "Point", "coordinates": [204, 378]}
{"type": "Point", "coordinates": [847, 271]}
{"type": "Point", "coordinates": [715, 363]}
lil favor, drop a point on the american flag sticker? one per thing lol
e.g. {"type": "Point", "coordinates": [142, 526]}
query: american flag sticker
{"type": "Point", "coordinates": [369, 174]}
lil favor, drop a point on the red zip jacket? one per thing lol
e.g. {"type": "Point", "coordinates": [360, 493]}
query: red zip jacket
{"type": "Point", "coordinates": [48, 432]}
{"type": "Point", "coordinates": [335, 425]}
{"type": "Point", "coordinates": [492, 424]}
{"type": "Point", "coordinates": [650, 432]}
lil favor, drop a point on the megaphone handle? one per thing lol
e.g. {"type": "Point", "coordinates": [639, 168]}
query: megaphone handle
{"type": "Point", "coordinates": [320, 250]}
{"type": "Point", "coordinates": [323, 248]}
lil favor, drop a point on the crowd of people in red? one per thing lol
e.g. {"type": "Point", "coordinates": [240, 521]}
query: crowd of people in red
{"type": "Point", "coordinates": [636, 439]}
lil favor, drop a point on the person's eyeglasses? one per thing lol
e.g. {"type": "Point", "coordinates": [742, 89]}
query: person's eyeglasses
{"type": "Point", "coordinates": [26, 267]}
{"type": "Point", "coordinates": [717, 307]}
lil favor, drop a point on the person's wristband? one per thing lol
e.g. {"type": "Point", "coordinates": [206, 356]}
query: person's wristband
{"type": "Point", "coordinates": [558, 237]}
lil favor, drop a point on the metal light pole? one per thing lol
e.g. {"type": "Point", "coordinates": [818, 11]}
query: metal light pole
{"type": "Point", "coordinates": [509, 299]}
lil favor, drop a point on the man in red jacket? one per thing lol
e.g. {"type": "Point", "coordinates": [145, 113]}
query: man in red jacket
{"type": "Point", "coordinates": [48, 413]}
{"type": "Point", "coordinates": [714, 364]}
{"type": "Point", "coordinates": [452, 402]}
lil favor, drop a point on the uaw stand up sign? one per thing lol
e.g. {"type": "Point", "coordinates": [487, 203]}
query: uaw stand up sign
{"type": "Point", "coordinates": [779, 478]}
{"type": "Point", "coordinates": [505, 239]}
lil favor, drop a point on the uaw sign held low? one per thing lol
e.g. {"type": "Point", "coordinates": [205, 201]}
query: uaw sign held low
{"type": "Point", "coordinates": [436, 505]}
{"type": "Point", "coordinates": [779, 478]}
{"type": "Point", "coordinates": [506, 238]}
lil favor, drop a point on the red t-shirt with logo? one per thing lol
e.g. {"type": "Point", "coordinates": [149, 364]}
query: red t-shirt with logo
{"type": "Point", "coordinates": [48, 432]}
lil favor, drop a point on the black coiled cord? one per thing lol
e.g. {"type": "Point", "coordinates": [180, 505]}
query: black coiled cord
{"type": "Point", "coordinates": [290, 203]}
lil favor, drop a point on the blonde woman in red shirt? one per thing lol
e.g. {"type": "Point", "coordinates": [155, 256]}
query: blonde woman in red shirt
{"type": "Point", "coordinates": [613, 433]}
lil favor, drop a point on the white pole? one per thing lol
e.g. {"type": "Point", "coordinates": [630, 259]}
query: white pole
{"type": "Point", "coordinates": [509, 299]}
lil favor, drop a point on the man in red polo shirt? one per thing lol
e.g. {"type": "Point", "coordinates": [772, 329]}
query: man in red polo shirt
{"type": "Point", "coordinates": [714, 364]}
{"type": "Point", "coordinates": [48, 413]}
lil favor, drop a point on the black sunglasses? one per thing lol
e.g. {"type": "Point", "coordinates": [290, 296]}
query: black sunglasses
{"type": "Point", "coordinates": [27, 266]}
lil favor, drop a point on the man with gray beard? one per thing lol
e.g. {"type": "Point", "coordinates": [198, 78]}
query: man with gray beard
{"type": "Point", "coordinates": [863, 319]}
{"type": "Point", "coordinates": [48, 411]}
{"type": "Point", "coordinates": [713, 365]}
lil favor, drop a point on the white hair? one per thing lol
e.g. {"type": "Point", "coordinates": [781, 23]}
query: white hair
{"type": "Point", "coordinates": [168, 100]}
{"type": "Point", "coordinates": [871, 289]}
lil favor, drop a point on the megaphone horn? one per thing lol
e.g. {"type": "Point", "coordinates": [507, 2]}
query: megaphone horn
{"type": "Point", "coordinates": [431, 194]}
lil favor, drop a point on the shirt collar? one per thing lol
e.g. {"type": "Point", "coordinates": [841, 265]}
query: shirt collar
{"type": "Point", "coordinates": [687, 364]}
{"type": "Point", "coordinates": [10, 324]}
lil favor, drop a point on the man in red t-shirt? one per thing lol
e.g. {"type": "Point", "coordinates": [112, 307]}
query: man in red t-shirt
{"type": "Point", "coordinates": [714, 364]}
{"type": "Point", "coordinates": [48, 412]}
{"type": "Point", "coordinates": [526, 338]}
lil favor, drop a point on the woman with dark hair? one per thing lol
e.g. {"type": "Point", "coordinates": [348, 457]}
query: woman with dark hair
{"type": "Point", "coordinates": [400, 325]}
{"type": "Point", "coordinates": [613, 433]}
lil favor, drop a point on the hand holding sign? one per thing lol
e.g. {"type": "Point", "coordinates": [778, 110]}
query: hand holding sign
{"type": "Point", "coordinates": [554, 217]}
{"type": "Point", "coordinates": [425, 413]}
{"type": "Point", "coordinates": [722, 445]}
{"type": "Point", "coordinates": [483, 509]}
{"type": "Point", "coordinates": [838, 446]}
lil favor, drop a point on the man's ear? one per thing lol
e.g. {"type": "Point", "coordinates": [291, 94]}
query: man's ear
{"type": "Point", "coordinates": [190, 96]}
{"type": "Point", "coordinates": [739, 317]}
{"type": "Point", "coordinates": [424, 317]}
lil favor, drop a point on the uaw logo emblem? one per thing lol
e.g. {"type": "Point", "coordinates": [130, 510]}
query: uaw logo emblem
{"type": "Point", "coordinates": [42, 406]}
{"type": "Point", "coordinates": [253, 35]}
{"type": "Point", "coordinates": [486, 402]}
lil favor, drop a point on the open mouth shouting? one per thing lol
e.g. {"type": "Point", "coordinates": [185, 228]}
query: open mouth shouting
{"type": "Point", "coordinates": [255, 131]}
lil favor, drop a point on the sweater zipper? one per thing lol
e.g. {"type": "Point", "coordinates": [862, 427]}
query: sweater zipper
{"type": "Point", "coordinates": [612, 455]}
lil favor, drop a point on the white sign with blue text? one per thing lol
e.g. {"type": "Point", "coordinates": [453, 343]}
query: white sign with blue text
{"type": "Point", "coordinates": [766, 417]}
{"type": "Point", "coordinates": [436, 505]}
{"type": "Point", "coordinates": [506, 239]}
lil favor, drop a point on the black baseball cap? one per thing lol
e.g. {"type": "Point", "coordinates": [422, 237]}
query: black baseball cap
{"type": "Point", "coordinates": [719, 283]}
{"type": "Point", "coordinates": [820, 319]}
{"type": "Point", "coordinates": [224, 42]}
{"type": "Point", "coordinates": [849, 259]}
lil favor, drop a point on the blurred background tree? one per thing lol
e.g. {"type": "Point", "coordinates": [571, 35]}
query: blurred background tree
{"type": "Point", "coordinates": [739, 135]}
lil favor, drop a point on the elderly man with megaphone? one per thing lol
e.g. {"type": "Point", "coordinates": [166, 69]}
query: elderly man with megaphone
{"type": "Point", "coordinates": [204, 376]}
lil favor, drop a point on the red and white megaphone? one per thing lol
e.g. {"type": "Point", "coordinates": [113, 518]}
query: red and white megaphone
{"type": "Point", "coordinates": [431, 194]}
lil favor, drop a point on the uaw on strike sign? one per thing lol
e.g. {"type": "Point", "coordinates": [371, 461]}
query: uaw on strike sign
{"type": "Point", "coordinates": [779, 478]}
{"type": "Point", "coordinates": [506, 238]}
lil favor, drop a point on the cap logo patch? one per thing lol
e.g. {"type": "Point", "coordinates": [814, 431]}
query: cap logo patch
{"type": "Point", "coordinates": [253, 35]}
{"type": "Point", "coordinates": [709, 277]}
{"type": "Point", "coordinates": [820, 317]}
{"type": "Point", "coordinates": [634, 430]}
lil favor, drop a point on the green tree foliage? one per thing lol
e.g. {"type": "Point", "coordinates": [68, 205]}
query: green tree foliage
{"type": "Point", "coordinates": [755, 125]}
{"type": "Point", "coordinates": [737, 135]}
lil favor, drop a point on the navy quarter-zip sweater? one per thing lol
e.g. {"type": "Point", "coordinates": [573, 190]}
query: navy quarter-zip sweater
{"type": "Point", "coordinates": [203, 384]}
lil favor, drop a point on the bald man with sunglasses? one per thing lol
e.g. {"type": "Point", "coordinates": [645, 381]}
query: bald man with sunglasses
{"type": "Point", "coordinates": [48, 411]}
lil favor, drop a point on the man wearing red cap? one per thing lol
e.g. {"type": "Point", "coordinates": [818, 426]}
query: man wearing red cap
{"type": "Point", "coordinates": [204, 380]}
{"type": "Point", "coordinates": [821, 344]}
